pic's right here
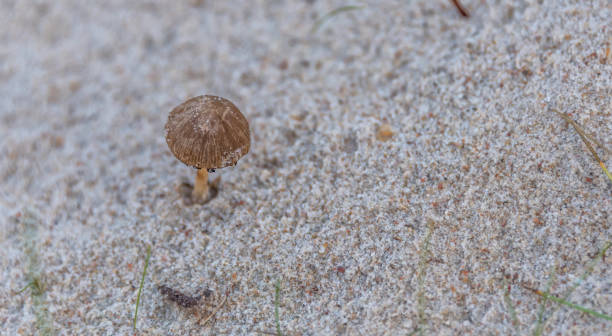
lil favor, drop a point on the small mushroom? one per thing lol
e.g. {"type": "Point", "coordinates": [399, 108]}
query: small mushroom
{"type": "Point", "coordinates": [207, 133]}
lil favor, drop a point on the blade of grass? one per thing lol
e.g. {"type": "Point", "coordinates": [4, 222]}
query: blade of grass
{"type": "Point", "coordinates": [603, 166]}
{"type": "Point", "coordinates": [35, 285]}
{"type": "Point", "coordinates": [510, 305]}
{"type": "Point", "coordinates": [421, 277]}
{"type": "Point", "coordinates": [34, 272]}
{"type": "Point", "coordinates": [144, 273]}
{"type": "Point", "coordinates": [581, 130]}
{"type": "Point", "coordinates": [573, 305]}
{"type": "Point", "coordinates": [276, 304]}
{"type": "Point", "coordinates": [26, 287]}
{"type": "Point", "coordinates": [540, 324]}
{"type": "Point", "coordinates": [585, 138]}
{"type": "Point", "coordinates": [586, 273]}
{"type": "Point", "coordinates": [331, 14]}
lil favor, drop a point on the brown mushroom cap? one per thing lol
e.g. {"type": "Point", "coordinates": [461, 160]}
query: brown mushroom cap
{"type": "Point", "coordinates": [208, 132]}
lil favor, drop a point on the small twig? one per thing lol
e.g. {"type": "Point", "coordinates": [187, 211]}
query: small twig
{"type": "Point", "coordinates": [216, 309]}
{"type": "Point", "coordinates": [144, 273]}
{"type": "Point", "coordinates": [460, 8]}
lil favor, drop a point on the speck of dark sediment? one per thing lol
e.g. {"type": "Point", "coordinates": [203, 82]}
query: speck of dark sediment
{"type": "Point", "coordinates": [181, 299]}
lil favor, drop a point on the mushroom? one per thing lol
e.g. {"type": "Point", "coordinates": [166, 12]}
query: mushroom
{"type": "Point", "coordinates": [207, 133]}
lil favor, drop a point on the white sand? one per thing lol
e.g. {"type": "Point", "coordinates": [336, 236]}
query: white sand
{"type": "Point", "coordinates": [321, 203]}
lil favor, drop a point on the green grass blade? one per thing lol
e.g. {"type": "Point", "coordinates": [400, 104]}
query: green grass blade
{"type": "Point", "coordinates": [24, 288]}
{"type": "Point", "coordinates": [540, 325]}
{"type": "Point", "coordinates": [424, 255]}
{"type": "Point", "coordinates": [510, 305]}
{"type": "Point", "coordinates": [603, 166]}
{"type": "Point", "coordinates": [575, 306]}
{"type": "Point", "coordinates": [586, 273]}
{"type": "Point", "coordinates": [144, 273]}
{"type": "Point", "coordinates": [30, 222]}
{"type": "Point", "coordinates": [331, 14]}
{"type": "Point", "coordinates": [276, 304]}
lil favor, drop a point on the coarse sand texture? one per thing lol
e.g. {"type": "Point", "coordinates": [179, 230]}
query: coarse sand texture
{"type": "Point", "coordinates": [410, 170]}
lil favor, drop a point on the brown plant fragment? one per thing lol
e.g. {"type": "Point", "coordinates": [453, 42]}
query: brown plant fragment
{"type": "Point", "coordinates": [384, 132]}
{"type": "Point", "coordinates": [460, 8]}
{"type": "Point", "coordinates": [181, 299]}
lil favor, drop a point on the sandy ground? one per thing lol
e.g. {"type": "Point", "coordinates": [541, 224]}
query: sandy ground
{"type": "Point", "coordinates": [405, 171]}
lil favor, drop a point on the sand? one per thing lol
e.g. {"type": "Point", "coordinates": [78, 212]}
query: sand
{"type": "Point", "coordinates": [406, 171]}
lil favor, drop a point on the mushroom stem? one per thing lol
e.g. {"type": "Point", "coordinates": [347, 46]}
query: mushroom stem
{"type": "Point", "coordinates": [200, 190]}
